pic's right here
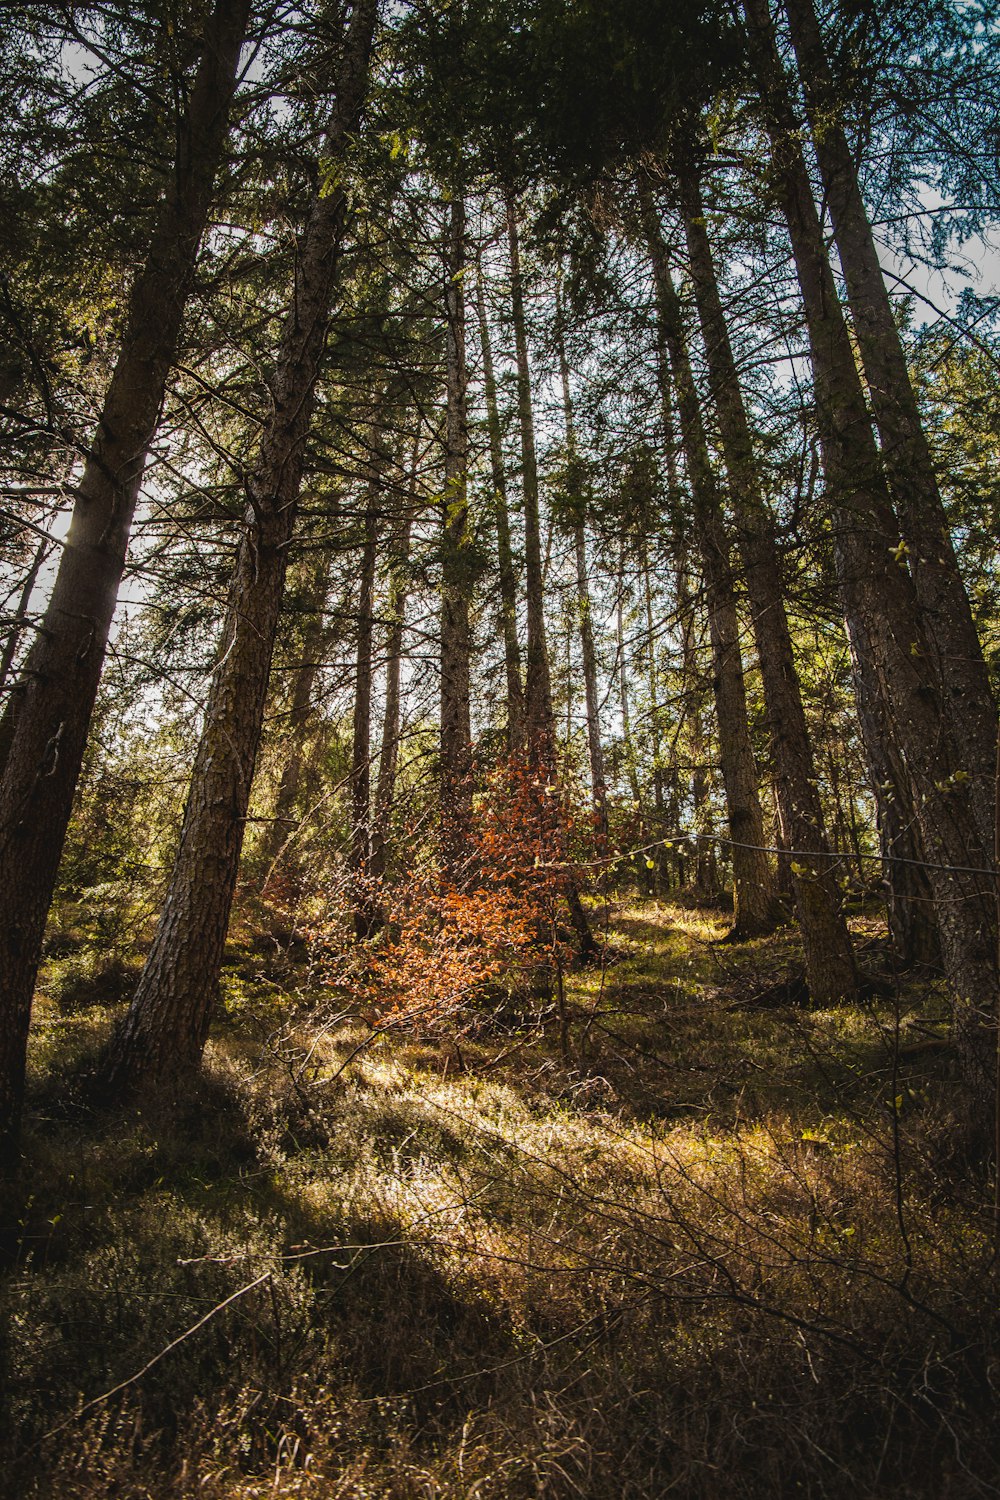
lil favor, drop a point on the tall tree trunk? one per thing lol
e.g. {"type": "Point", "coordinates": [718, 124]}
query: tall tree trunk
{"type": "Point", "coordinates": [296, 733]}
{"type": "Point", "coordinates": [880, 603]}
{"type": "Point", "coordinates": [539, 722]}
{"type": "Point", "coordinates": [63, 666]}
{"type": "Point", "coordinates": [655, 727]}
{"type": "Point", "coordinates": [754, 898]}
{"type": "Point", "coordinates": [360, 782]}
{"type": "Point", "coordinates": [538, 689]}
{"type": "Point", "coordinates": [19, 621]}
{"type": "Point", "coordinates": [906, 455]}
{"type": "Point", "coordinates": [456, 638]}
{"type": "Point", "coordinates": [505, 553]}
{"type": "Point", "coordinates": [166, 1027]}
{"type": "Point", "coordinates": [813, 883]}
{"type": "Point", "coordinates": [586, 624]}
{"type": "Point", "coordinates": [17, 624]}
{"type": "Point", "coordinates": [909, 898]}
{"type": "Point", "coordinates": [631, 770]}
{"type": "Point", "coordinates": [692, 718]}
{"type": "Point", "coordinates": [389, 750]}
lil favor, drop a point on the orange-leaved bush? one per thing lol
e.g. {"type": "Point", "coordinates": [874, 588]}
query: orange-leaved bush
{"type": "Point", "coordinates": [444, 943]}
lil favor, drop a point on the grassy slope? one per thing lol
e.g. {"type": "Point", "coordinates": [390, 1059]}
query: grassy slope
{"type": "Point", "coordinates": [670, 1248]}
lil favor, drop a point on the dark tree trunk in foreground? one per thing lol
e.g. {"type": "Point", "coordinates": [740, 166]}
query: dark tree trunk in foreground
{"type": "Point", "coordinates": [456, 582]}
{"type": "Point", "coordinates": [754, 896]}
{"type": "Point", "coordinates": [505, 553]}
{"type": "Point", "coordinates": [817, 897]}
{"type": "Point", "coordinates": [63, 667]}
{"type": "Point", "coordinates": [881, 607]}
{"type": "Point", "coordinates": [166, 1027]}
{"type": "Point", "coordinates": [906, 455]}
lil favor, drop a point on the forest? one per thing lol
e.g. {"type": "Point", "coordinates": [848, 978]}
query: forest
{"type": "Point", "coordinates": [499, 763]}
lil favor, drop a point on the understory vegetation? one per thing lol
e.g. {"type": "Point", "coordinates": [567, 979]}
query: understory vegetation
{"type": "Point", "coordinates": [499, 777]}
{"type": "Point", "coordinates": [685, 1237]}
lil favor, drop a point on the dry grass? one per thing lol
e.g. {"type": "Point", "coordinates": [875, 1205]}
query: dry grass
{"type": "Point", "coordinates": [673, 1248]}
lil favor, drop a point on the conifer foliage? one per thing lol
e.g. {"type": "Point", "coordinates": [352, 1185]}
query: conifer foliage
{"type": "Point", "coordinates": [426, 422]}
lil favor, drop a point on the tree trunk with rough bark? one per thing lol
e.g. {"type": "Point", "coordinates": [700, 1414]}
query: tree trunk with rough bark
{"type": "Point", "coordinates": [63, 667]}
{"type": "Point", "coordinates": [385, 786]}
{"type": "Point", "coordinates": [754, 898]}
{"type": "Point", "coordinates": [538, 687]}
{"type": "Point", "coordinates": [906, 454]}
{"type": "Point", "coordinates": [296, 728]}
{"type": "Point", "coordinates": [456, 636]}
{"type": "Point", "coordinates": [17, 624]}
{"type": "Point", "coordinates": [880, 601]}
{"type": "Point", "coordinates": [586, 625]}
{"type": "Point", "coordinates": [365, 917]}
{"type": "Point", "coordinates": [505, 552]}
{"type": "Point", "coordinates": [164, 1033]}
{"type": "Point", "coordinates": [539, 722]}
{"type": "Point", "coordinates": [813, 882]}
{"type": "Point", "coordinates": [909, 898]}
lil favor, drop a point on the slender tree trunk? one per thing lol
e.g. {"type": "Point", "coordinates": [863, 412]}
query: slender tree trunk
{"type": "Point", "coordinates": [909, 898]}
{"type": "Point", "coordinates": [18, 623]}
{"type": "Point", "coordinates": [539, 721]}
{"type": "Point", "coordinates": [63, 666]}
{"type": "Point", "coordinates": [505, 553]}
{"type": "Point", "coordinates": [693, 719]}
{"type": "Point", "coordinates": [754, 894]}
{"type": "Point", "coordinates": [167, 1023]}
{"type": "Point", "coordinates": [906, 455]}
{"type": "Point", "coordinates": [813, 882]}
{"type": "Point", "coordinates": [631, 771]}
{"type": "Point", "coordinates": [361, 841]}
{"type": "Point", "coordinates": [538, 692]}
{"type": "Point", "coordinates": [880, 604]}
{"type": "Point", "coordinates": [586, 625]}
{"type": "Point", "coordinates": [456, 639]}
{"type": "Point", "coordinates": [20, 614]}
{"type": "Point", "coordinates": [655, 719]}
{"type": "Point", "coordinates": [389, 751]}
{"type": "Point", "coordinates": [297, 720]}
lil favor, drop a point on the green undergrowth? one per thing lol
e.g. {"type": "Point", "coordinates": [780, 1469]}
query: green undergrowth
{"type": "Point", "coordinates": [678, 1236]}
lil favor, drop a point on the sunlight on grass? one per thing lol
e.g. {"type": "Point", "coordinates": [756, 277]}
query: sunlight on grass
{"type": "Point", "coordinates": [525, 1259]}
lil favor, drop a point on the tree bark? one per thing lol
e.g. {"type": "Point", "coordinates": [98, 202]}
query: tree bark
{"type": "Point", "coordinates": [539, 721]}
{"type": "Point", "coordinates": [754, 898]}
{"type": "Point", "coordinates": [505, 553]}
{"type": "Point", "coordinates": [906, 455]}
{"type": "Point", "coordinates": [813, 882]}
{"type": "Point", "coordinates": [63, 667]}
{"type": "Point", "coordinates": [365, 919]}
{"type": "Point", "coordinates": [456, 637]}
{"type": "Point", "coordinates": [883, 616]}
{"type": "Point", "coordinates": [16, 626]}
{"type": "Point", "coordinates": [164, 1032]}
{"type": "Point", "coordinates": [909, 898]}
{"type": "Point", "coordinates": [389, 751]}
{"type": "Point", "coordinates": [538, 687]}
{"type": "Point", "coordinates": [300, 711]}
{"type": "Point", "coordinates": [595, 749]}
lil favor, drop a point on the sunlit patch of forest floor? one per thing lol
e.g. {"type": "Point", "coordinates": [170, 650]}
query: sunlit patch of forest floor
{"type": "Point", "coordinates": [675, 1235]}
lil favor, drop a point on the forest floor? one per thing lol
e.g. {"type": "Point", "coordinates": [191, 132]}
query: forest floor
{"type": "Point", "coordinates": [679, 1236]}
